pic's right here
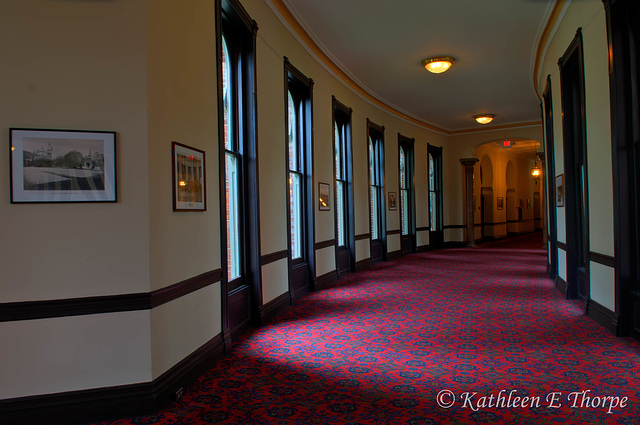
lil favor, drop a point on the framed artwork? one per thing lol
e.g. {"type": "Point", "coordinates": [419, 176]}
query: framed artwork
{"type": "Point", "coordinates": [560, 190]}
{"type": "Point", "coordinates": [500, 203]}
{"type": "Point", "coordinates": [323, 197]}
{"type": "Point", "coordinates": [189, 182]}
{"type": "Point", "coordinates": [392, 201]}
{"type": "Point", "coordinates": [62, 165]}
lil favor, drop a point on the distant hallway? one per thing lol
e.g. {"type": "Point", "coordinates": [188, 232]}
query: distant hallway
{"type": "Point", "coordinates": [456, 336]}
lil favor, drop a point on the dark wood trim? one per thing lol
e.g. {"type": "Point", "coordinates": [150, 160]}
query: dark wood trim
{"type": "Point", "coordinates": [322, 282]}
{"type": "Point", "coordinates": [394, 255]}
{"type": "Point", "coordinates": [455, 244]}
{"type": "Point", "coordinates": [453, 226]}
{"type": "Point", "coordinates": [603, 316]}
{"type": "Point", "coordinates": [500, 223]}
{"type": "Point", "coordinates": [561, 286]}
{"type": "Point", "coordinates": [91, 405]}
{"type": "Point", "coordinates": [324, 244]}
{"type": "Point", "coordinates": [76, 407]}
{"type": "Point", "coordinates": [394, 232]}
{"type": "Point", "coordinates": [180, 289]}
{"type": "Point", "coordinates": [273, 257]}
{"type": "Point", "coordinates": [561, 245]}
{"type": "Point", "coordinates": [274, 307]}
{"type": "Point", "coordinates": [363, 236]}
{"type": "Point", "coordinates": [187, 370]}
{"type": "Point", "coordinates": [31, 310]}
{"type": "Point", "coordinates": [423, 229]}
{"type": "Point", "coordinates": [603, 259]}
{"type": "Point", "coordinates": [363, 265]}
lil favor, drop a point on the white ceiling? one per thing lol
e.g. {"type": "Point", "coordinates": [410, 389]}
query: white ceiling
{"type": "Point", "coordinates": [380, 44]}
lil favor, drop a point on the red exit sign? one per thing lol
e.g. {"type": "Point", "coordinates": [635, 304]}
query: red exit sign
{"type": "Point", "coordinates": [506, 143]}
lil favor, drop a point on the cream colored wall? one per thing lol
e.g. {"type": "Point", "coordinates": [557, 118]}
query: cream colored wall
{"type": "Point", "coordinates": [75, 65]}
{"type": "Point", "coordinates": [182, 84]}
{"type": "Point", "coordinates": [74, 353]}
{"type": "Point", "coordinates": [590, 16]}
{"type": "Point", "coordinates": [183, 99]}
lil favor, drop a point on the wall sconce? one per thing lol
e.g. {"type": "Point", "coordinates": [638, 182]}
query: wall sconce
{"type": "Point", "coordinates": [535, 171]}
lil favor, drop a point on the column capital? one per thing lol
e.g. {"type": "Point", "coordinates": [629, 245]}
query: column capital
{"type": "Point", "coordinates": [469, 162]}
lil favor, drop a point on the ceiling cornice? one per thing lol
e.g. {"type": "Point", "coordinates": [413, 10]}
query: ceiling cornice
{"type": "Point", "coordinates": [544, 39]}
{"type": "Point", "coordinates": [294, 25]}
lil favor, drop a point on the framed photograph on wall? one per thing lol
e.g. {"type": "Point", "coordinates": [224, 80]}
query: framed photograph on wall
{"type": "Point", "coordinates": [189, 183]}
{"type": "Point", "coordinates": [392, 201]}
{"type": "Point", "coordinates": [500, 203]}
{"type": "Point", "coordinates": [560, 190]}
{"type": "Point", "coordinates": [62, 166]}
{"type": "Point", "coordinates": [323, 197]}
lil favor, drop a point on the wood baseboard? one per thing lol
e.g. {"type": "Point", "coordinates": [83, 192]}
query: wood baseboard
{"type": "Point", "coordinates": [274, 307]}
{"type": "Point", "coordinates": [325, 280]}
{"type": "Point", "coordinates": [75, 407]}
{"type": "Point", "coordinates": [603, 316]}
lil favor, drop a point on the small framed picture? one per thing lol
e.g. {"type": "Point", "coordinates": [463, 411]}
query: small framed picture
{"type": "Point", "coordinates": [189, 182]}
{"type": "Point", "coordinates": [500, 203]}
{"type": "Point", "coordinates": [323, 197]}
{"type": "Point", "coordinates": [62, 166]}
{"type": "Point", "coordinates": [560, 190]}
{"type": "Point", "coordinates": [392, 201]}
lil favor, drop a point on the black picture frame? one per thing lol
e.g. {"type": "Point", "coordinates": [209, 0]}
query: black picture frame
{"type": "Point", "coordinates": [323, 197]}
{"type": "Point", "coordinates": [62, 166]}
{"type": "Point", "coordinates": [188, 169]}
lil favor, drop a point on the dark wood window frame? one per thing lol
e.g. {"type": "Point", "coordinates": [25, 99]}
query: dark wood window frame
{"type": "Point", "coordinates": [575, 169]}
{"type": "Point", "coordinates": [552, 237]}
{"type": "Point", "coordinates": [343, 176]}
{"type": "Point", "coordinates": [623, 21]}
{"type": "Point", "coordinates": [241, 299]}
{"type": "Point", "coordinates": [408, 240]}
{"type": "Point", "coordinates": [436, 236]}
{"type": "Point", "coordinates": [301, 270]}
{"type": "Point", "coordinates": [378, 246]}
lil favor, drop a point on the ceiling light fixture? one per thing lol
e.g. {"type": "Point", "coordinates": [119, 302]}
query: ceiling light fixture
{"type": "Point", "coordinates": [438, 64]}
{"type": "Point", "coordinates": [484, 118]}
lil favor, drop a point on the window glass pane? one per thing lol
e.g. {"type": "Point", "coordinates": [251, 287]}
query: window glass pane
{"type": "Point", "coordinates": [373, 199]}
{"type": "Point", "coordinates": [403, 182]}
{"type": "Point", "coordinates": [432, 208]}
{"type": "Point", "coordinates": [432, 178]}
{"type": "Point", "coordinates": [295, 206]}
{"type": "Point", "coordinates": [340, 215]}
{"type": "Point", "coordinates": [337, 150]}
{"type": "Point", "coordinates": [233, 216]}
{"type": "Point", "coordinates": [226, 94]}
{"type": "Point", "coordinates": [293, 137]}
{"type": "Point", "coordinates": [405, 211]}
{"type": "Point", "coordinates": [372, 176]}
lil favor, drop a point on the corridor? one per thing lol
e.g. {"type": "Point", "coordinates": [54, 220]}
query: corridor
{"type": "Point", "coordinates": [456, 336]}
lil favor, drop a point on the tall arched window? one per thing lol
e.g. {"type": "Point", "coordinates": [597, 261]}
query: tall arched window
{"type": "Point", "coordinates": [239, 214]}
{"type": "Point", "coordinates": [299, 150]}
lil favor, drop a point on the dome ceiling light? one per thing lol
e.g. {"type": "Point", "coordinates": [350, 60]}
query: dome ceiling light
{"type": "Point", "coordinates": [484, 118]}
{"type": "Point", "coordinates": [438, 64]}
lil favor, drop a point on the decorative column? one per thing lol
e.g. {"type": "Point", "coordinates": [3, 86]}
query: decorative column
{"type": "Point", "coordinates": [468, 178]}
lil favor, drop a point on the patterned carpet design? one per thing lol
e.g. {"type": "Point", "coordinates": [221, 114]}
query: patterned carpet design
{"type": "Point", "coordinates": [456, 336]}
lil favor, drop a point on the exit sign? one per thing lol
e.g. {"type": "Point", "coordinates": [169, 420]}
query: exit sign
{"type": "Point", "coordinates": [506, 143]}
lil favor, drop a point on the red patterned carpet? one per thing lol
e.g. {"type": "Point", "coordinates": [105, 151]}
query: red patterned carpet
{"type": "Point", "coordinates": [458, 336]}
